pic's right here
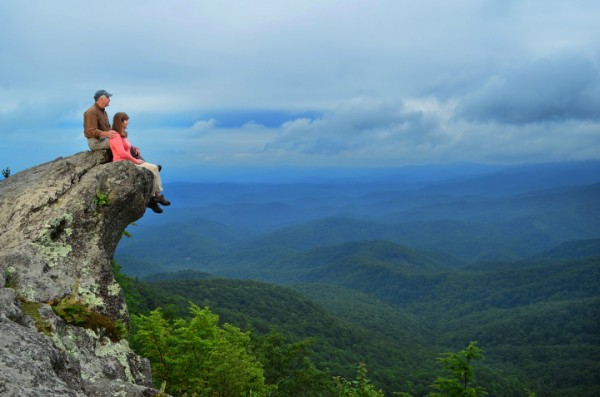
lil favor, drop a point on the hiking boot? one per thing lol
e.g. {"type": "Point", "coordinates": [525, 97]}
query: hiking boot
{"type": "Point", "coordinates": [162, 200]}
{"type": "Point", "coordinates": [153, 205]}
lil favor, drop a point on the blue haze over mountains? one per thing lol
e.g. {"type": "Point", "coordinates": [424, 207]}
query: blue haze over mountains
{"type": "Point", "coordinates": [416, 260]}
{"type": "Point", "coordinates": [465, 213]}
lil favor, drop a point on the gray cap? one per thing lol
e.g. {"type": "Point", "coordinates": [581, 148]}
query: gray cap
{"type": "Point", "coordinates": [100, 93]}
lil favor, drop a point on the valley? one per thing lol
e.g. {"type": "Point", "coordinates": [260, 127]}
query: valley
{"type": "Point", "coordinates": [392, 273]}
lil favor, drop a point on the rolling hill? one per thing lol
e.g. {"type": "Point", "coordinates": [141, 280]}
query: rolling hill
{"type": "Point", "coordinates": [393, 272]}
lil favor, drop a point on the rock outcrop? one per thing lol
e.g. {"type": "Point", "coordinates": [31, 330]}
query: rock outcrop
{"type": "Point", "coordinates": [60, 223]}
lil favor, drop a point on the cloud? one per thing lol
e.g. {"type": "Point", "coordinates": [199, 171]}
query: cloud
{"type": "Point", "coordinates": [29, 116]}
{"type": "Point", "coordinates": [385, 83]}
{"type": "Point", "coordinates": [566, 87]}
{"type": "Point", "coordinates": [373, 132]}
{"type": "Point", "coordinates": [204, 125]}
{"type": "Point", "coordinates": [360, 125]}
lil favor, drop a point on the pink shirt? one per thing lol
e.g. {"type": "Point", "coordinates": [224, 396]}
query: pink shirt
{"type": "Point", "coordinates": [120, 148]}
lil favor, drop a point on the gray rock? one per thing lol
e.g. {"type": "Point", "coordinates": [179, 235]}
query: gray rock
{"type": "Point", "coordinates": [57, 234]}
{"type": "Point", "coordinates": [60, 223]}
{"type": "Point", "coordinates": [113, 389]}
{"type": "Point", "coordinates": [33, 366]}
{"type": "Point", "coordinates": [8, 305]}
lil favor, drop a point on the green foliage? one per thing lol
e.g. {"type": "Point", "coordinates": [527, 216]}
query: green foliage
{"type": "Point", "coordinates": [135, 267]}
{"type": "Point", "coordinates": [376, 292]}
{"type": "Point", "coordinates": [337, 342]}
{"type": "Point", "coordinates": [360, 387]}
{"type": "Point", "coordinates": [537, 318]}
{"type": "Point", "coordinates": [132, 294]}
{"type": "Point", "coordinates": [197, 356]}
{"type": "Point", "coordinates": [126, 233]}
{"type": "Point", "coordinates": [179, 275]}
{"type": "Point", "coordinates": [32, 309]}
{"type": "Point", "coordinates": [75, 312]}
{"type": "Point", "coordinates": [6, 172]}
{"type": "Point", "coordinates": [460, 374]}
{"type": "Point", "coordinates": [177, 243]}
{"type": "Point", "coordinates": [102, 199]}
{"type": "Point", "coordinates": [10, 277]}
{"type": "Point", "coordinates": [289, 366]}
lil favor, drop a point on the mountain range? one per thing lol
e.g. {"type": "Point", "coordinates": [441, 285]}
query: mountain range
{"type": "Point", "coordinates": [401, 267]}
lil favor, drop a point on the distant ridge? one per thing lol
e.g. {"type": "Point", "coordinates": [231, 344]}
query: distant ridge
{"type": "Point", "coordinates": [572, 250]}
{"type": "Point", "coordinates": [410, 175]}
{"type": "Point", "coordinates": [522, 179]}
{"type": "Point", "coordinates": [179, 275]}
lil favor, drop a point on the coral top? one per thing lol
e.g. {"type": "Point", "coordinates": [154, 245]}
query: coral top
{"type": "Point", "coordinates": [120, 148]}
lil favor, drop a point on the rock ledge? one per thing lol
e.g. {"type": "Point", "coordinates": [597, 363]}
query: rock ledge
{"type": "Point", "coordinates": [60, 223]}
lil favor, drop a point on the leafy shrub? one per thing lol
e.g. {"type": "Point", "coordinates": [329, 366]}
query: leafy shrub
{"type": "Point", "coordinates": [360, 387]}
{"type": "Point", "coordinates": [102, 199]}
{"type": "Point", "coordinates": [75, 312]}
{"type": "Point", "coordinates": [10, 277]}
{"type": "Point", "coordinates": [197, 357]}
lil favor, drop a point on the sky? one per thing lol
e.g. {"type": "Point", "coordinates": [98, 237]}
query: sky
{"type": "Point", "coordinates": [271, 84]}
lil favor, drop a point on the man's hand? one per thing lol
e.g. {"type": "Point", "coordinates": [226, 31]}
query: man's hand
{"type": "Point", "coordinates": [110, 134]}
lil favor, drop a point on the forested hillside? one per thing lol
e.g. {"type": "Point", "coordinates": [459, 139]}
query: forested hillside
{"type": "Point", "coordinates": [395, 320]}
{"type": "Point", "coordinates": [468, 228]}
{"type": "Point", "coordinates": [393, 274]}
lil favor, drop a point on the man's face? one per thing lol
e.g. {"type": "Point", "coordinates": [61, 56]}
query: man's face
{"type": "Point", "coordinates": [103, 101]}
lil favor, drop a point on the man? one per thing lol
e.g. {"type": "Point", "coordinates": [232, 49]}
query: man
{"type": "Point", "coordinates": [96, 126]}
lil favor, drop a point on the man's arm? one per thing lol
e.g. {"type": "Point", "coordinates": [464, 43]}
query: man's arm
{"type": "Point", "coordinates": [90, 126]}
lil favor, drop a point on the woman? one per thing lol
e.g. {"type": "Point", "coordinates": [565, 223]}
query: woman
{"type": "Point", "coordinates": [121, 150]}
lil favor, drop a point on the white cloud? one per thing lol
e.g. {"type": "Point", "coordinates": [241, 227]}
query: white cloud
{"type": "Point", "coordinates": [386, 82]}
{"type": "Point", "coordinates": [204, 125]}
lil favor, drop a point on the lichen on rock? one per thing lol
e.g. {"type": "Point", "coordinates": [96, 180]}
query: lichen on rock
{"type": "Point", "coordinates": [57, 241]}
{"type": "Point", "coordinates": [53, 239]}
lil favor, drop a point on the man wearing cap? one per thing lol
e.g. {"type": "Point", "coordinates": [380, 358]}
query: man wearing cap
{"type": "Point", "coordinates": [96, 126]}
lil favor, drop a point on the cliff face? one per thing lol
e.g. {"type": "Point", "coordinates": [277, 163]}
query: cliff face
{"type": "Point", "coordinates": [60, 223]}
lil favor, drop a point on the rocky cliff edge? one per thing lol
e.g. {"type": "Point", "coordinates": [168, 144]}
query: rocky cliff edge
{"type": "Point", "coordinates": [60, 223]}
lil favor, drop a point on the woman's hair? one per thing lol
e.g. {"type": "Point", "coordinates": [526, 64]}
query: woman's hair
{"type": "Point", "coordinates": [118, 123]}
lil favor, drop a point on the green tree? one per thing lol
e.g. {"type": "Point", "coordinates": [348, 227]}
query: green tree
{"type": "Point", "coordinates": [289, 366]}
{"type": "Point", "coordinates": [360, 387]}
{"type": "Point", "coordinates": [198, 357]}
{"type": "Point", "coordinates": [150, 337]}
{"type": "Point", "coordinates": [6, 172]}
{"type": "Point", "coordinates": [131, 293]}
{"type": "Point", "coordinates": [460, 374]}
